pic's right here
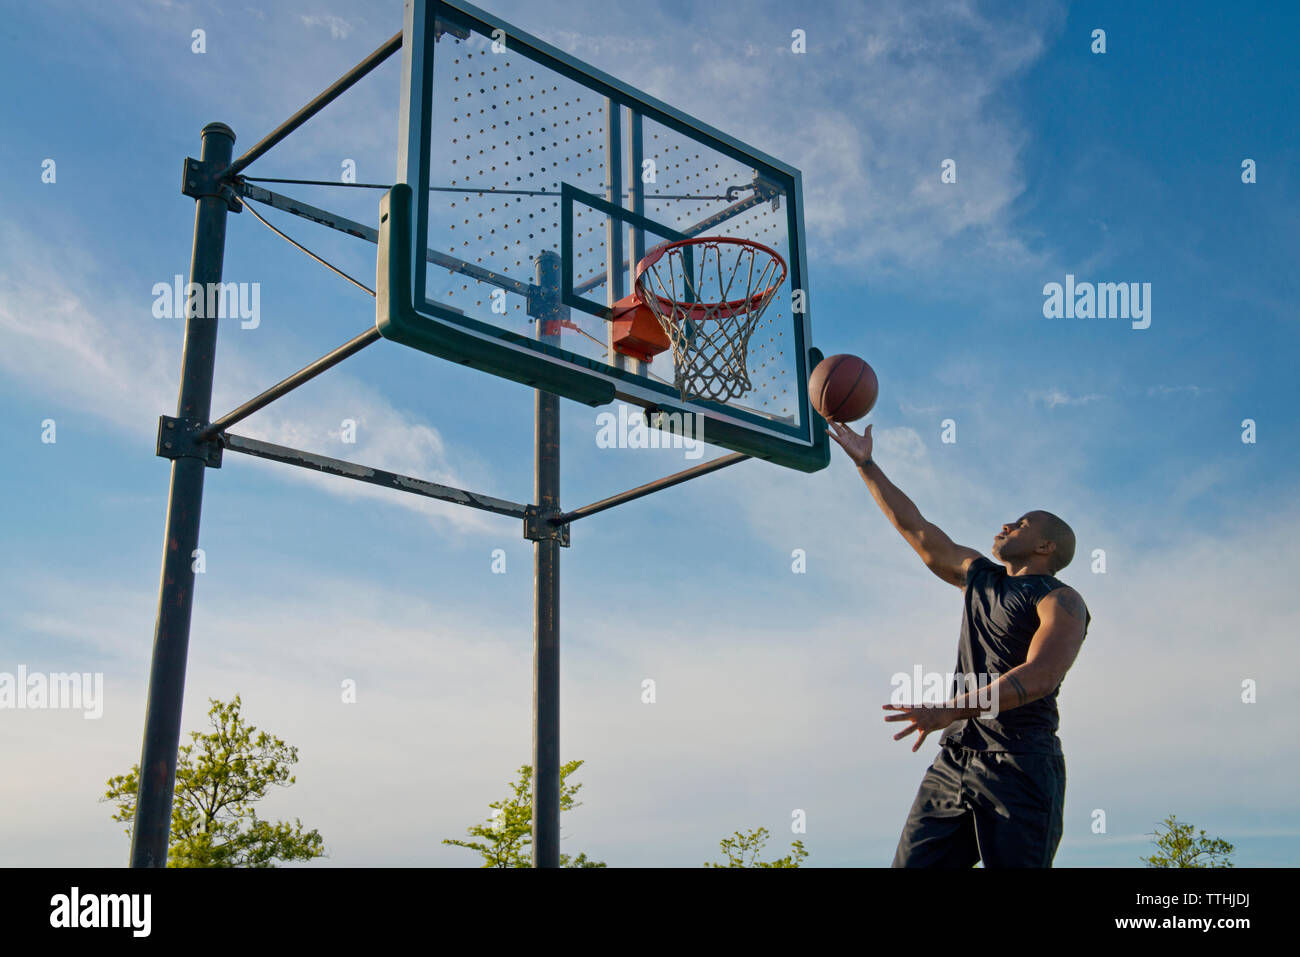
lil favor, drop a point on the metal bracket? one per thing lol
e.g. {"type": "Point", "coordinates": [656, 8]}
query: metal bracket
{"type": "Point", "coordinates": [767, 189]}
{"type": "Point", "coordinates": [179, 439]}
{"type": "Point", "coordinates": [538, 526]}
{"type": "Point", "coordinates": [444, 26]}
{"type": "Point", "coordinates": [199, 179]}
{"type": "Point", "coordinates": [538, 301]}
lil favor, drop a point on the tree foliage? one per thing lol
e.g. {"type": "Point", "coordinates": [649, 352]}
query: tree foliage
{"type": "Point", "coordinates": [751, 844]}
{"type": "Point", "coordinates": [507, 837]}
{"type": "Point", "coordinates": [219, 776]}
{"type": "Point", "coordinates": [1177, 846]}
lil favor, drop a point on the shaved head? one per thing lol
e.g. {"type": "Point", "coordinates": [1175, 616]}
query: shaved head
{"type": "Point", "coordinates": [1054, 530]}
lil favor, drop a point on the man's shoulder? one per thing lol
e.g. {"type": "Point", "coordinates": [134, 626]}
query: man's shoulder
{"type": "Point", "coordinates": [1067, 599]}
{"type": "Point", "coordinates": [979, 565]}
{"type": "Point", "coordinates": [1066, 596]}
{"type": "Point", "coordinates": [1060, 591]}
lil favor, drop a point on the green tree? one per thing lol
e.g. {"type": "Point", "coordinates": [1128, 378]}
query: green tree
{"type": "Point", "coordinates": [508, 833]}
{"type": "Point", "coordinates": [1177, 847]}
{"type": "Point", "coordinates": [218, 779]}
{"type": "Point", "coordinates": [752, 844]}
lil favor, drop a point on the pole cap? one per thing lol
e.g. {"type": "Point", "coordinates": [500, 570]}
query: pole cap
{"type": "Point", "coordinates": [221, 128]}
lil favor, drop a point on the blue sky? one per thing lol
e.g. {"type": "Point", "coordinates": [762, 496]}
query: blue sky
{"type": "Point", "coordinates": [1123, 166]}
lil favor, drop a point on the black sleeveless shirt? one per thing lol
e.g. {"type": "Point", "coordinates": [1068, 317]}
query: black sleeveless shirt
{"type": "Point", "coordinates": [1000, 619]}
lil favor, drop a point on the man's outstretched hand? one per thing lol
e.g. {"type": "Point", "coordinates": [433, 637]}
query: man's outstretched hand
{"type": "Point", "coordinates": [923, 718]}
{"type": "Point", "coordinates": [857, 446]}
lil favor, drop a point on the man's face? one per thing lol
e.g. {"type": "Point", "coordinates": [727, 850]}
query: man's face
{"type": "Point", "coordinates": [1017, 539]}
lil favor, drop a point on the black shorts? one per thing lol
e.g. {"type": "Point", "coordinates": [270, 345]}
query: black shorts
{"type": "Point", "coordinates": [993, 806]}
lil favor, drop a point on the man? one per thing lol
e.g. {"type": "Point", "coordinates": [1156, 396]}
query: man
{"type": "Point", "coordinates": [996, 791]}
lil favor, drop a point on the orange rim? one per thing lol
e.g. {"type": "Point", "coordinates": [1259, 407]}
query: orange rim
{"type": "Point", "coordinates": [697, 311]}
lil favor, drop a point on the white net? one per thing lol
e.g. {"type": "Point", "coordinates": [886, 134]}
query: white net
{"type": "Point", "coordinates": [709, 295]}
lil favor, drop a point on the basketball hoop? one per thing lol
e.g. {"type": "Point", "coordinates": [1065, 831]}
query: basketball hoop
{"type": "Point", "coordinates": [691, 288]}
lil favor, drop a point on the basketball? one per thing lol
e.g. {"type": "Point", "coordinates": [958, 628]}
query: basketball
{"type": "Point", "coordinates": [843, 388]}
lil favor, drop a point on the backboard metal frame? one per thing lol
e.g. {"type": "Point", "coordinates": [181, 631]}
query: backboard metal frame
{"type": "Point", "coordinates": [407, 315]}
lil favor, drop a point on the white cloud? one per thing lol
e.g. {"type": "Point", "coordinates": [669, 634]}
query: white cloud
{"type": "Point", "coordinates": [1168, 390]}
{"type": "Point", "coordinates": [339, 28]}
{"type": "Point", "coordinates": [1054, 397]}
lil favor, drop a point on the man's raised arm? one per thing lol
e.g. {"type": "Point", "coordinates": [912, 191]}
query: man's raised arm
{"type": "Point", "coordinates": [947, 560]}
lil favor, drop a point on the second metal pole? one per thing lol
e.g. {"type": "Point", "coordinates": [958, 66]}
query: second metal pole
{"type": "Point", "coordinates": [151, 828]}
{"type": "Point", "coordinates": [546, 586]}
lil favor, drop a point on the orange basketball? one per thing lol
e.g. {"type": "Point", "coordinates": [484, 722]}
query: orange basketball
{"type": "Point", "coordinates": [843, 388]}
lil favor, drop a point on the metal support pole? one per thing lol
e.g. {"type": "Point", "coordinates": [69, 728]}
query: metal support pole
{"type": "Point", "coordinates": [373, 476]}
{"type": "Point", "coordinates": [285, 386]}
{"type": "Point", "coordinates": [162, 722]}
{"type": "Point", "coordinates": [635, 157]}
{"type": "Point", "coordinates": [636, 193]}
{"type": "Point", "coordinates": [614, 262]}
{"type": "Point", "coordinates": [546, 587]}
{"type": "Point", "coordinates": [658, 485]}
